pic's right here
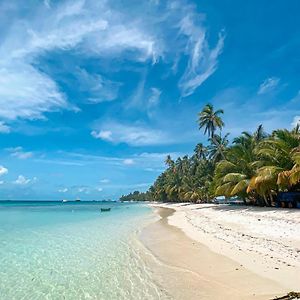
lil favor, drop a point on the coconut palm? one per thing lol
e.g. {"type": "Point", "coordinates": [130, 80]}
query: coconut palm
{"type": "Point", "coordinates": [169, 162]}
{"type": "Point", "coordinates": [279, 156]}
{"type": "Point", "coordinates": [210, 120]}
{"type": "Point", "coordinates": [200, 151]}
{"type": "Point", "coordinates": [255, 166]}
{"type": "Point", "coordinates": [232, 176]}
{"type": "Point", "coordinates": [218, 147]}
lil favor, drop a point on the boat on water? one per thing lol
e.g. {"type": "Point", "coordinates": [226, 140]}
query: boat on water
{"type": "Point", "coordinates": [105, 209]}
{"type": "Point", "coordinates": [64, 201]}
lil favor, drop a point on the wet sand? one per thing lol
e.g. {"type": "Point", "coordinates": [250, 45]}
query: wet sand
{"type": "Point", "coordinates": [186, 269]}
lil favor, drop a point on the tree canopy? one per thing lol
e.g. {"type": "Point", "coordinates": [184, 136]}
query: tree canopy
{"type": "Point", "coordinates": [254, 167]}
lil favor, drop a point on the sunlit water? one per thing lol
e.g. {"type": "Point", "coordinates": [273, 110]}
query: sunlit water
{"type": "Point", "coordinates": [72, 251]}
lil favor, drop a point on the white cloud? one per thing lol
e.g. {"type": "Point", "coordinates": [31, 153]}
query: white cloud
{"type": "Point", "coordinates": [22, 180]}
{"type": "Point", "coordinates": [27, 93]}
{"type": "Point", "coordinates": [105, 180]}
{"type": "Point", "coordinates": [121, 37]}
{"type": "Point", "coordinates": [102, 30]}
{"type": "Point", "coordinates": [102, 134]}
{"type": "Point", "coordinates": [296, 121]}
{"type": "Point", "coordinates": [135, 135]}
{"type": "Point", "coordinates": [19, 153]}
{"type": "Point", "coordinates": [99, 189]}
{"type": "Point", "coordinates": [1, 182]}
{"type": "Point", "coordinates": [203, 60]}
{"type": "Point", "coordinates": [83, 189]}
{"type": "Point", "coordinates": [3, 170]}
{"type": "Point", "coordinates": [128, 161]}
{"type": "Point", "coordinates": [155, 96]}
{"type": "Point", "coordinates": [4, 128]}
{"type": "Point", "coordinates": [99, 89]}
{"type": "Point", "coordinates": [63, 190]}
{"type": "Point", "coordinates": [268, 85]}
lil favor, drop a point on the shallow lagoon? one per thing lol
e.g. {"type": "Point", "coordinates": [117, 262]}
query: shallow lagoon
{"type": "Point", "coordinates": [54, 250]}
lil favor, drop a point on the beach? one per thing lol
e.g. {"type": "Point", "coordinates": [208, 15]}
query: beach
{"type": "Point", "coordinates": [207, 251]}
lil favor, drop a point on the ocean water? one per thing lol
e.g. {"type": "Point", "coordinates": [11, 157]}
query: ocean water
{"type": "Point", "coordinates": [54, 250]}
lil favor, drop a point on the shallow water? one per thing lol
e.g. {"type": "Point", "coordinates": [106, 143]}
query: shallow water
{"type": "Point", "coordinates": [51, 250]}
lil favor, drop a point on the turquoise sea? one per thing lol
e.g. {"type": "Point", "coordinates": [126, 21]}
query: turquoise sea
{"type": "Point", "coordinates": [55, 250]}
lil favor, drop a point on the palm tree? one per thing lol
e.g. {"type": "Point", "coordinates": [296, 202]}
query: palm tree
{"type": "Point", "coordinates": [291, 177]}
{"type": "Point", "coordinates": [210, 120]}
{"type": "Point", "coordinates": [200, 151]}
{"type": "Point", "coordinates": [233, 175]}
{"type": "Point", "coordinates": [279, 171]}
{"type": "Point", "coordinates": [169, 162]}
{"type": "Point", "coordinates": [218, 147]}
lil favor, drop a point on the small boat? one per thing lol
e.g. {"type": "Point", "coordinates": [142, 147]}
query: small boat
{"type": "Point", "coordinates": [105, 209]}
{"type": "Point", "coordinates": [64, 200]}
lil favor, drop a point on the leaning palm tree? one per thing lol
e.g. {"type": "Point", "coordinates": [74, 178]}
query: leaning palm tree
{"type": "Point", "coordinates": [233, 175]}
{"type": "Point", "coordinates": [218, 147]}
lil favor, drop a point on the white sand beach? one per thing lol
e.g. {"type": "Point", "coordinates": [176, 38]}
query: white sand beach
{"type": "Point", "coordinates": [262, 244]}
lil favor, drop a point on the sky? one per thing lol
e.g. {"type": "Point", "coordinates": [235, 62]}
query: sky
{"type": "Point", "coordinates": [95, 94]}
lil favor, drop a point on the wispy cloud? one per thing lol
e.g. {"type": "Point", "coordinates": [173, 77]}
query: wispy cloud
{"type": "Point", "coordinates": [4, 128]}
{"type": "Point", "coordinates": [59, 162]}
{"type": "Point", "coordinates": [104, 180]}
{"type": "Point", "coordinates": [135, 135]}
{"type": "Point", "coordinates": [203, 60]}
{"type": "Point", "coordinates": [268, 85]}
{"type": "Point", "coordinates": [102, 30]}
{"type": "Point", "coordinates": [25, 91]}
{"type": "Point", "coordinates": [155, 97]}
{"type": "Point", "coordinates": [128, 161]}
{"type": "Point", "coordinates": [19, 152]}
{"type": "Point", "coordinates": [98, 88]}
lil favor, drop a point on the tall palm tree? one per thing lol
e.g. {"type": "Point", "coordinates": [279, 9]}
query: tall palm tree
{"type": "Point", "coordinates": [210, 120]}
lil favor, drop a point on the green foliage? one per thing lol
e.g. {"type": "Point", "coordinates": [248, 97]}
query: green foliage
{"type": "Point", "coordinates": [136, 196]}
{"type": "Point", "coordinates": [254, 167]}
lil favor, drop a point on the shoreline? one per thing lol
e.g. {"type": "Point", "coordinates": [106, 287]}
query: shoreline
{"type": "Point", "coordinates": [187, 268]}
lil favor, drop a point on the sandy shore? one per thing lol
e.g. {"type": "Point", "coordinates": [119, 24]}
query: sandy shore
{"type": "Point", "coordinates": [218, 252]}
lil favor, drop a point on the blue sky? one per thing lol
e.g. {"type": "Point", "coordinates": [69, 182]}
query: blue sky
{"type": "Point", "coordinates": [95, 94]}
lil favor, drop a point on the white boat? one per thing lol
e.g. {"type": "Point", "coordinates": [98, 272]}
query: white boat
{"type": "Point", "coordinates": [64, 200]}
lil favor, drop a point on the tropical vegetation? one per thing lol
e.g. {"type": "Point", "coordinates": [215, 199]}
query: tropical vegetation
{"type": "Point", "coordinates": [253, 167]}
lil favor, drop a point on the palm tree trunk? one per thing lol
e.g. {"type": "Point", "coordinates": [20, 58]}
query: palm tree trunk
{"type": "Point", "coordinates": [266, 200]}
{"type": "Point", "coordinates": [214, 140]}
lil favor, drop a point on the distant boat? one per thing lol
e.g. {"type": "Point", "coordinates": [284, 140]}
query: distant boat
{"type": "Point", "coordinates": [105, 209]}
{"type": "Point", "coordinates": [64, 200]}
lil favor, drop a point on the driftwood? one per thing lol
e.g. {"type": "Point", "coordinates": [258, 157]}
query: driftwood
{"type": "Point", "coordinates": [289, 296]}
